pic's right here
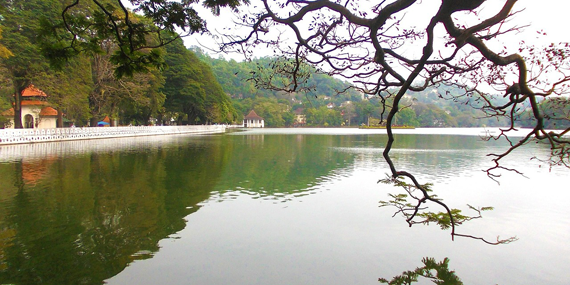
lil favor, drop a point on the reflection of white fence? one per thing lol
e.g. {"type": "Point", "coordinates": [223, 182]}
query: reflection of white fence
{"type": "Point", "coordinates": [33, 151]}
{"type": "Point", "coordinates": [18, 136]}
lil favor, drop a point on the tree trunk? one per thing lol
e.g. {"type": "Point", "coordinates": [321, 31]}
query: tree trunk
{"type": "Point", "coordinates": [18, 117]}
{"type": "Point", "coordinates": [19, 87]}
{"type": "Point", "coordinates": [191, 118]}
{"type": "Point", "coordinates": [59, 118]}
{"type": "Point", "coordinates": [159, 118]}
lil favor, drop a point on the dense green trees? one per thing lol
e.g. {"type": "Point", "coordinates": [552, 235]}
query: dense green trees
{"type": "Point", "coordinates": [323, 116]}
{"type": "Point", "coordinates": [84, 85]}
{"type": "Point", "coordinates": [236, 77]}
{"type": "Point", "coordinates": [87, 88]}
{"type": "Point", "coordinates": [192, 90]}
{"type": "Point", "coordinates": [187, 90]}
{"type": "Point", "coordinates": [20, 25]}
{"type": "Point", "coordinates": [137, 36]}
{"type": "Point", "coordinates": [349, 108]}
{"type": "Point", "coordinates": [67, 89]}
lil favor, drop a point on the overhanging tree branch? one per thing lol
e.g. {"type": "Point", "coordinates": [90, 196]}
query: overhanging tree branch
{"type": "Point", "coordinates": [369, 45]}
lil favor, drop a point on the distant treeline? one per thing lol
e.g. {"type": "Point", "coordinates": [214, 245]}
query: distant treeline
{"type": "Point", "coordinates": [330, 103]}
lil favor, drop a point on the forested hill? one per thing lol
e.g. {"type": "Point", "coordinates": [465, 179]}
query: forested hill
{"type": "Point", "coordinates": [323, 105]}
{"type": "Point", "coordinates": [235, 78]}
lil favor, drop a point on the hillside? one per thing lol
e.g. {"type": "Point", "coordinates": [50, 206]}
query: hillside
{"type": "Point", "coordinates": [322, 103]}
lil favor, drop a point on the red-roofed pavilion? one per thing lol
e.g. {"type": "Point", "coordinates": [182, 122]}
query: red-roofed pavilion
{"type": "Point", "coordinates": [36, 114]}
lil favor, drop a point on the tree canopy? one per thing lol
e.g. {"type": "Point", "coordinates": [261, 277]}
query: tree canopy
{"type": "Point", "coordinates": [24, 62]}
{"type": "Point", "coordinates": [87, 79]}
{"type": "Point", "coordinates": [192, 90]}
{"type": "Point", "coordinates": [84, 25]}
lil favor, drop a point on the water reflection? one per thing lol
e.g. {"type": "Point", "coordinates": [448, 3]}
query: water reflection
{"type": "Point", "coordinates": [271, 166]}
{"type": "Point", "coordinates": [80, 218]}
{"type": "Point", "coordinates": [80, 212]}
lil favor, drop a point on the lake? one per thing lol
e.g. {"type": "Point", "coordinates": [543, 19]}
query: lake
{"type": "Point", "coordinates": [272, 206]}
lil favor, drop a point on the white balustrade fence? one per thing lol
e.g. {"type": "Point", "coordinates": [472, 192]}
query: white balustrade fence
{"type": "Point", "coordinates": [18, 136]}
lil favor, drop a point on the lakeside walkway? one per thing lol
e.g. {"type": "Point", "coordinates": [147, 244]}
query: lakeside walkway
{"type": "Point", "coordinates": [25, 136]}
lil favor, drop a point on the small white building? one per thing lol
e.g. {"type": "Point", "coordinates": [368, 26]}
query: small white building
{"type": "Point", "coordinates": [300, 118]}
{"type": "Point", "coordinates": [252, 120]}
{"type": "Point", "coordinates": [36, 114]}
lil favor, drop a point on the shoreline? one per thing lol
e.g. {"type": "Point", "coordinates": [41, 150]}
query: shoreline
{"type": "Point", "coordinates": [27, 136]}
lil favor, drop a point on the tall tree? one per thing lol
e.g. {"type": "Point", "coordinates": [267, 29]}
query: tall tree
{"type": "Point", "coordinates": [21, 23]}
{"type": "Point", "coordinates": [183, 80]}
{"type": "Point", "coordinates": [68, 90]}
{"type": "Point", "coordinates": [218, 104]}
{"type": "Point", "coordinates": [140, 91]}
{"type": "Point", "coordinates": [192, 90]}
{"type": "Point", "coordinates": [145, 101]}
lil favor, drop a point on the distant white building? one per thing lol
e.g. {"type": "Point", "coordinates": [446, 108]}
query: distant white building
{"type": "Point", "coordinates": [300, 118]}
{"type": "Point", "coordinates": [252, 120]}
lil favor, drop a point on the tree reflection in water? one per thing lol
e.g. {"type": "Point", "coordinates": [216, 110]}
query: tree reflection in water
{"type": "Point", "coordinates": [80, 214]}
{"type": "Point", "coordinates": [437, 272]}
{"type": "Point", "coordinates": [82, 218]}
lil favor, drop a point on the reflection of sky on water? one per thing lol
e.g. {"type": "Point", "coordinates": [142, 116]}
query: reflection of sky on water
{"type": "Point", "coordinates": [334, 233]}
{"type": "Point", "coordinates": [295, 209]}
{"type": "Point", "coordinates": [442, 163]}
{"type": "Point", "coordinates": [431, 164]}
{"type": "Point", "coordinates": [432, 158]}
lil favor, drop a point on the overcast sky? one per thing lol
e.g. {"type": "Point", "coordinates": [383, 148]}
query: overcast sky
{"type": "Point", "coordinates": [552, 16]}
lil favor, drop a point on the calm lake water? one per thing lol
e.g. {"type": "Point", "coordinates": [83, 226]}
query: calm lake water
{"type": "Point", "coordinates": [271, 206]}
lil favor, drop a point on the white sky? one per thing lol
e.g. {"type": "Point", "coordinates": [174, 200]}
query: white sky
{"type": "Point", "coordinates": [548, 15]}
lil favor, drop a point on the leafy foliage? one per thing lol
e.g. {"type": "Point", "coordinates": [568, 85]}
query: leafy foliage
{"type": "Point", "coordinates": [410, 205]}
{"type": "Point", "coordinates": [192, 90]}
{"type": "Point", "coordinates": [443, 275]}
{"type": "Point", "coordinates": [4, 52]}
{"type": "Point", "coordinates": [86, 24]}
